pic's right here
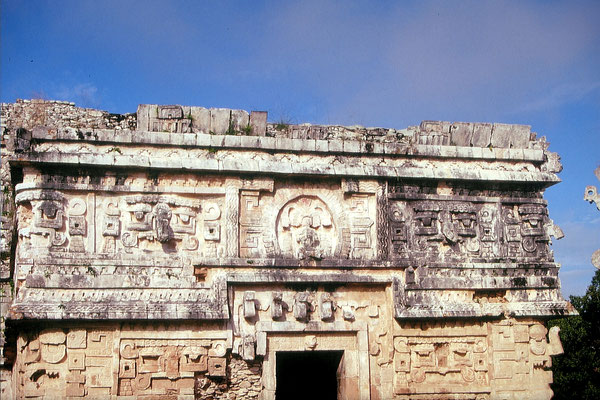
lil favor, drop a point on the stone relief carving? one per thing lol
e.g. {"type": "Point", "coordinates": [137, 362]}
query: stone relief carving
{"type": "Point", "coordinates": [462, 231]}
{"type": "Point", "coordinates": [77, 225]}
{"type": "Point", "coordinates": [111, 226]}
{"type": "Point", "coordinates": [173, 223]}
{"type": "Point", "coordinates": [66, 223]}
{"type": "Point", "coordinates": [422, 363]}
{"type": "Point", "coordinates": [163, 366]}
{"type": "Point", "coordinates": [164, 232]}
{"type": "Point", "coordinates": [591, 195]}
{"type": "Point", "coordinates": [251, 223]}
{"type": "Point", "coordinates": [79, 363]}
{"type": "Point", "coordinates": [73, 364]}
{"type": "Point", "coordinates": [305, 229]}
{"type": "Point", "coordinates": [362, 224]}
{"type": "Point", "coordinates": [41, 221]}
{"type": "Point", "coordinates": [169, 119]}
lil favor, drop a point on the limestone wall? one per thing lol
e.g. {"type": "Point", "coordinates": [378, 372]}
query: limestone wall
{"type": "Point", "coordinates": [174, 252]}
{"type": "Point", "coordinates": [509, 359]}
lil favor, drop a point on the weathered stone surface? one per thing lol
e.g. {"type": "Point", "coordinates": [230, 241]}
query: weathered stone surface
{"type": "Point", "coordinates": [175, 252]}
{"type": "Point", "coordinates": [258, 122]}
{"type": "Point", "coordinates": [482, 135]}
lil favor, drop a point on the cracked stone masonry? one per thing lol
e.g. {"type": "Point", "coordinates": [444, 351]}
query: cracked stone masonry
{"type": "Point", "coordinates": [178, 251]}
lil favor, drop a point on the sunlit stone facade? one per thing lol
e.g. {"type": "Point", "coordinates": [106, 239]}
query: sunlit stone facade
{"type": "Point", "coordinates": [176, 252]}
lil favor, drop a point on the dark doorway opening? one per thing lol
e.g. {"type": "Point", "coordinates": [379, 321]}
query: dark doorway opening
{"type": "Point", "coordinates": [307, 374]}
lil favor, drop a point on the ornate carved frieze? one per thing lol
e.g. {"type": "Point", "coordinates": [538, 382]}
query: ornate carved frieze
{"type": "Point", "coordinates": [473, 230]}
{"type": "Point", "coordinates": [102, 224]}
{"type": "Point", "coordinates": [81, 362]}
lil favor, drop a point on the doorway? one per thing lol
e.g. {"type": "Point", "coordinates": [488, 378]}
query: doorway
{"type": "Point", "coordinates": [307, 374]}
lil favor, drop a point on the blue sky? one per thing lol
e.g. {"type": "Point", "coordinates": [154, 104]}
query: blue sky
{"type": "Point", "coordinates": [377, 63]}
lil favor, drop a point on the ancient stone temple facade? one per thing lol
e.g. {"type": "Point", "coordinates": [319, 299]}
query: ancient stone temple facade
{"type": "Point", "coordinates": [184, 252]}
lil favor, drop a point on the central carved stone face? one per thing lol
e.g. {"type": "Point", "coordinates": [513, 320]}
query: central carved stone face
{"type": "Point", "coordinates": [305, 229]}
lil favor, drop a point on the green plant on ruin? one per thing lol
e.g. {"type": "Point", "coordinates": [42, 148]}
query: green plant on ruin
{"type": "Point", "coordinates": [281, 126]}
{"type": "Point", "coordinates": [231, 129]}
{"type": "Point", "coordinates": [247, 130]}
{"type": "Point", "coordinates": [92, 271]}
{"type": "Point", "coordinates": [115, 150]}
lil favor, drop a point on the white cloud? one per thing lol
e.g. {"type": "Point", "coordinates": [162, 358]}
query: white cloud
{"type": "Point", "coordinates": [563, 93]}
{"type": "Point", "coordinates": [83, 94]}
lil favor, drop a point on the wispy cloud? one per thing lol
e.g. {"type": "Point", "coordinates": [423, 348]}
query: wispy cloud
{"type": "Point", "coordinates": [83, 94]}
{"type": "Point", "coordinates": [439, 60]}
{"type": "Point", "coordinates": [561, 94]}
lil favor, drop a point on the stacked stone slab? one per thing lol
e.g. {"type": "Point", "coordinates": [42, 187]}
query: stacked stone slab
{"type": "Point", "coordinates": [175, 251]}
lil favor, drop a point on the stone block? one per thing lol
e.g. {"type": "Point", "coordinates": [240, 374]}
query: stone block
{"type": "Point", "coordinates": [249, 142]}
{"type": "Point", "coordinates": [282, 143]}
{"type": "Point", "coordinates": [249, 304]}
{"type": "Point", "coordinates": [231, 141]}
{"type": "Point", "coordinates": [240, 120]}
{"type": "Point", "coordinates": [520, 136]}
{"type": "Point", "coordinates": [267, 143]}
{"type": "Point", "coordinates": [501, 135]}
{"type": "Point", "coordinates": [217, 366]}
{"type": "Point", "coordinates": [258, 123]}
{"type": "Point", "coordinates": [201, 119]}
{"type": "Point", "coordinates": [335, 146]}
{"type": "Point", "coordinates": [248, 347]}
{"type": "Point", "coordinates": [461, 134]}
{"type": "Point", "coordinates": [277, 305]}
{"type": "Point", "coordinates": [144, 112]}
{"type": "Point", "coordinates": [321, 145]}
{"type": "Point", "coordinates": [308, 145]}
{"type": "Point", "coordinates": [296, 145]}
{"type": "Point", "coordinates": [435, 126]}
{"type": "Point", "coordinates": [351, 146]}
{"type": "Point", "coordinates": [203, 139]}
{"type": "Point", "coordinates": [261, 343]}
{"type": "Point", "coordinates": [219, 120]}
{"type": "Point", "coordinates": [482, 135]}
{"type": "Point", "coordinates": [186, 139]}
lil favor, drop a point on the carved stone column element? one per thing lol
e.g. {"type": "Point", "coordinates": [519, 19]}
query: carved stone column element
{"type": "Point", "coordinates": [327, 307]}
{"type": "Point", "coordinates": [249, 304]}
{"type": "Point", "coordinates": [591, 195]}
{"type": "Point", "coordinates": [277, 305]}
{"type": "Point", "coordinates": [301, 306]}
{"type": "Point", "coordinates": [164, 232]}
{"type": "Point", "coordinates": [231, 220]}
